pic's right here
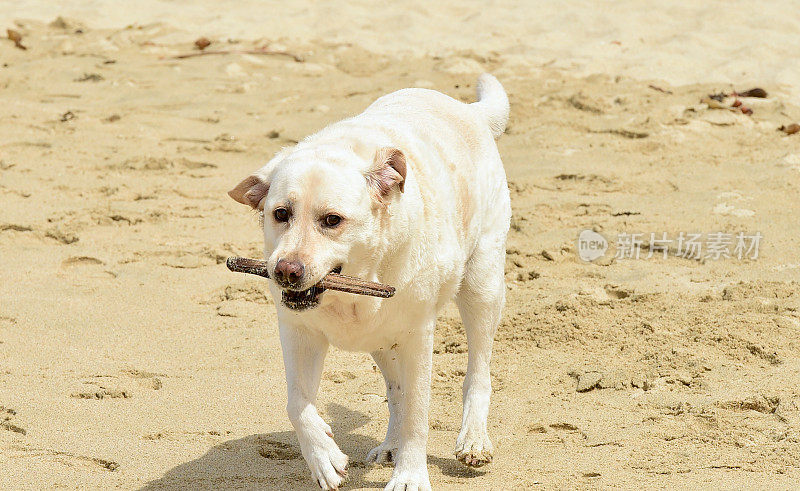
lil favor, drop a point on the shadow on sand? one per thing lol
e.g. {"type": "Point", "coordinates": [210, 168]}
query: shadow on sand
{"type": "Point", "coordinates": [274, 461]}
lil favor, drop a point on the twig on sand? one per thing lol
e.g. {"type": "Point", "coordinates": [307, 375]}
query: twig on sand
{"type": "Point", "coordinates": [267, 52]}
{"type": "Point", "coordinates": [659, 89]}
{"type": "Point", "coordinates": [332, 281]}
{"type": "Point", "coordinates": [756, 92]}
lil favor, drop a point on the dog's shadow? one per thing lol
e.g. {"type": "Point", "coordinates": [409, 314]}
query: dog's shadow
{"type": "Point", "coordinates": [274, 461]}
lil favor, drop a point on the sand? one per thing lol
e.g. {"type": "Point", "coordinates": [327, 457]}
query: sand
{"type": "Point", "coordinates": [130, 357]}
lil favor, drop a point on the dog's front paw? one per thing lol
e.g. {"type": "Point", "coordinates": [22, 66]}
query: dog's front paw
{"type": "Point", "coordinates": [473, 448]}
{"type": "Point", "coordinates": [415, 480]}
{"type": "Point", "coordinates": [384, 453]}
{"type": "Point", "coordinates": [328, 465]}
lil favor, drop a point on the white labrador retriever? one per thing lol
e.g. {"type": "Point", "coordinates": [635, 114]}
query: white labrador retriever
{"type": "Point", "coordinates": [412, 193]}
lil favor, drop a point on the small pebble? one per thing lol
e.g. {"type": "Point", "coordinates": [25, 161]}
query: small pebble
{"type": "Point", "coordinates": [202, 43]}
{"type": "Point", "coordinates": [790, 129]}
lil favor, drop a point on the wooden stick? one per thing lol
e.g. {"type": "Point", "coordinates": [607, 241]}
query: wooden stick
{"type": "Point", "coordinates": [332, 281]}
{"type": "Point", "coordinates": [295, 57]}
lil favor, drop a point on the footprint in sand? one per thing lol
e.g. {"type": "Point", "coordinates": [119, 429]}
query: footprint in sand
{"type": "Point", "coordinates": [6, 415]}
{"type": "Point", "coordinates": [101, 394]}
{"type": "Point", "coordinates": [212, 436]}
{"type": "Point", "coordinates": [586, 182]}
{"type": "Point", "coordinates": [76, 261]}
{"type": "Point", "coordinates": [150, 380]}
{"type": "Point", "coordinates": [249, 291]}
{"type": "Point", "coordinates": [63, 236]}
{"type": "Point", "coordinates": [617, 293]}
{"type": "Point", "coordinates": [86, 267]}
{"type": "Point", "coordinates": [67, 458]}
{"type": "Point", "coordinates": [102, 387]}
{"type": "Point", "coordinates": [275, 450]}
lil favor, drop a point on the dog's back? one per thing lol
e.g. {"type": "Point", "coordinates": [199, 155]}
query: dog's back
{"type": "Point", "coordinates": [450, 150]}
{"type": "Point", "coordinates": [468, 177]}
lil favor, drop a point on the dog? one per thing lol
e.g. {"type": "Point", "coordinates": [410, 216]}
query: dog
{"type": "Point", "coordinates": [412, 193]}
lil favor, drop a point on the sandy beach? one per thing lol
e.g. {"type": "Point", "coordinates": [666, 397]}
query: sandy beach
{"type": "Point", "coordinates": [130, 357]}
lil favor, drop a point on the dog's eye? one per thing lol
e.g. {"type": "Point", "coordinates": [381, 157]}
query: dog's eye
{"type": "Point", "coordinates": [281, 214]}
{"type": "Point", "coordinates": [332, 220]}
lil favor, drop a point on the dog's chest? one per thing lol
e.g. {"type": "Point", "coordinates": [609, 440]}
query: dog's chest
{"type": "Point", "coordinates": [352, 325]}
{"type": "Point", "coordinates": [338, 312]}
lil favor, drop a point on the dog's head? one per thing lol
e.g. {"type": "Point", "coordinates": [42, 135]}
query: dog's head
{"type": "Point", "coordinates": [320, 207]}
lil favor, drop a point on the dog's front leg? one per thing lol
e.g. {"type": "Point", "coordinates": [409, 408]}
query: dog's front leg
{"type": "Point", "coordinates": [303, 356]}
{"type": "Point", "coordinates": [414, 356]}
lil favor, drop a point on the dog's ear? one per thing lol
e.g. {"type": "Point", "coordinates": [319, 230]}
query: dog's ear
{"type": "Point", "coordinates": [251, 192]}
{"type": "Point", "coordinates": [388, 170]}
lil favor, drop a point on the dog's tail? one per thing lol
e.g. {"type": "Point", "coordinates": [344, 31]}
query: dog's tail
{"type": "Point", "coordinates": [492, 103]}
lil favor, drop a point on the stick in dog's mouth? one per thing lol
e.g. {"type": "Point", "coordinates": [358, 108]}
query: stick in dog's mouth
{"type": "Point", "coordinates": [301, 300]}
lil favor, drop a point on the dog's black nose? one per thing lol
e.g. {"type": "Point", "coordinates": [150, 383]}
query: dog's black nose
{"type": "Point", "coordinates": [289, 272]}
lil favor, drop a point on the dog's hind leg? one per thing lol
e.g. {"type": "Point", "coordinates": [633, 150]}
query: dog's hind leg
{"type": "Point", "coordinates": [414, 360]}
{"type": "Point", "coordinates": [480, 301]}
{"type": "Point", "coordinates": [387, 451]}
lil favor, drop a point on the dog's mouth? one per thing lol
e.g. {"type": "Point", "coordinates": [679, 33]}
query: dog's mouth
{"type": "Point", "coordinates": [305, 299]}
{"type": "Point", "coordinates": [302, 300]}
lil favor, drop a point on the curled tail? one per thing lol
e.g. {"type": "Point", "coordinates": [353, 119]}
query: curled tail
{"type": "Point", "coordinates": [492, 103]}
